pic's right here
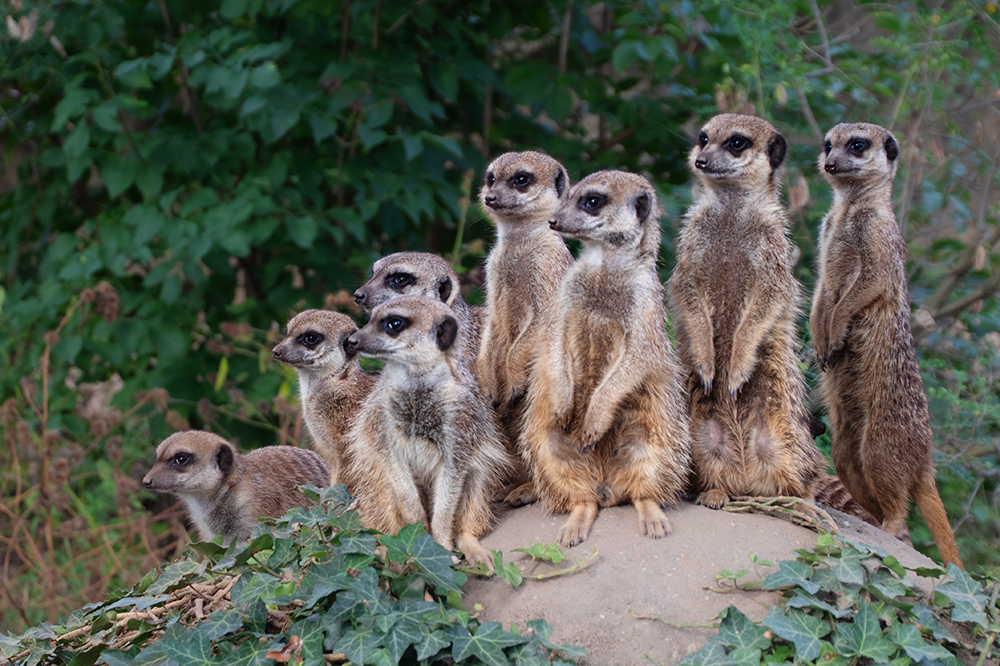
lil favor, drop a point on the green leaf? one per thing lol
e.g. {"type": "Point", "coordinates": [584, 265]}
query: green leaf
{"type": "Point", "coordinates": [549, 552]}
{"type": "Point", "coordinates": [432, 643]}
{"type": "Point", "coordinates": [302, 230]}
{"type": "Point", "coordinates": [358, 644]}
{"type": "Point", "coordinates": [105, 116]}
{"type": "Point", "coordinates": [847, 568]}
{"type": "Point", "coordinates": [746, 656]}
{"type": "Point", "coordinates": [193, 650]}
{"type": "Point", "coordinates": [487, 644]}
{"type": "Point", "coordinates": [221, 374]}
{"type": "Point", "coordinates": [434, 562]}
{"type": "Point", "coordinates": [118, 174]}
{"type": "Point", "coordinates": [805, 631]}
{"type": "Point", "coordinates": [149, 180]}
{"type": "Point", "coordinates": [865, 636]}
{"type": "Point", "coordinates": [738, 631]}
{"type": "Point", "coordinates": [508, 573]}
{"type": "Point", "coordinates": [221, 623]}
{"type": "Point", "coordinates": [283, 119]}
{"type": "Point", "coordinates": [265, 76]}
{"type": "Point", "coordinates": [887, 583]}
{"type": "Point", "coordinates": [967, 595]}
{"type": "Point", "coordinates": [322, 126]}
{"type": "Point", "coordinates": [378, 114]}
{"type": "Point", "coordinates": [791, 573]}
{"type": "Point", "coordinates": [712, 654]}
{"type": "Point", "coordinates": [132, 74]}
{"type": "Point", "coordinates": [912, 641]}
{"type": "Point", "coordinates": [400, 637]}
{"type": "Point", "coordinates": [77, 141]}
{"type": "Point", "coordinates": [174, 573]}
{"type": "Point", "coordinates": [806, 600]}
{"type": "Point", "coordinates": [399, 547]}
{"type": "Point", "coordinates": [926, 618]}
{"type": "Point", "coordinates": [231, 9]}
{"type": "Point", "coordinates": [371, 137]}
{"type": "Point", "coordinates": [893, 565]}
{"type": "Point", "coordinates": [146, 222]}
{"type": "Point", "coordinates": [413, 145]}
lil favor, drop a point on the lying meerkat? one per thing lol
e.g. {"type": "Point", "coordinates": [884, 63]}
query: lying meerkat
{"type": "Point", "coordinates": [879, 422]}
{"type": "Point", "coordinates": [332, 384]}
{"type": "Point", "coordinates": [225, 492]}
{"type": "Point", "coordinates": [734, 302]}
{"type": "Point", "coordinates": [605, 420]}
{"type": "Point", "coordinates": [426, 431]}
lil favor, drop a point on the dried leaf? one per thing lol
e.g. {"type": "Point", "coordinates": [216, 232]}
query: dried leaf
{"type": "Point", "coordinates": [57, 45]}
{"type": "Point", "coordinates": [286, 653]}
{"type": "Point", "coordinates": [14, 29]}
{"type": "Point", "coordinates": [924, 319]}
{"type": "Point", "coordinates": [979, 263]}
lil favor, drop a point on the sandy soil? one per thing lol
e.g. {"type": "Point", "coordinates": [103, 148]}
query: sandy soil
{"type": "Point", "coordinates": [634, 574]}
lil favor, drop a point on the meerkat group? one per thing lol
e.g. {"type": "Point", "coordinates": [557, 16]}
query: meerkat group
{"type": "Point", "coordinates": [564, 388]}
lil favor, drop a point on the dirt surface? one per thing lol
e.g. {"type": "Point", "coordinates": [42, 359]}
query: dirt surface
{"type": "Point", "coordinates": [634, 574]}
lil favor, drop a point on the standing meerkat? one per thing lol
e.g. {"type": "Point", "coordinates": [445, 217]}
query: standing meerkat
{"type": "Point", "coordinates": [605, 420]}
{"type": "Point", "coordinates": [424, 274]}
{"type": "Point", "coordinates": [524, 268]}
{"type": "Point", "coordinates": [860, 323]}
{"type": "Point", "coordinates": [225, 492]}
{"type": "Point", "coordinates": [426, 433]}
{"type": "Point", "coordinates": [332, 384]}
{"type": "Point", "coordinates": [734, 302]}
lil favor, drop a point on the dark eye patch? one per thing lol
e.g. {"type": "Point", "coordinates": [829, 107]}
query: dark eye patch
{"type": "Point", "coordinates": [703, 139]}
{"type": "Point", "coordinates": [592, 202]}
{"type": "Point", "coordinates": [394, 324]}
{"type": "Point", "coordinates": [399, 281]}
{"type": "Point", "coordinates": [310, 339]}
{"type": "Point", "coordinates": [736, 144]}
{"type": "Point", "coordinates": [827, 147]}
{"type": "Point", "coordinates": [182, 459]}
{"type": "Point", "coordinates": [522, 180]}
{"type": "Point", "coordinates": [857, 145]}
{"type": "Point", "coordinates": [490, 179]}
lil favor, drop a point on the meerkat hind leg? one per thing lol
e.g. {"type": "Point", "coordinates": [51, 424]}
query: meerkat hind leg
{"type": "Point", "coordinates": [652, 520]}
{"type": "Point", "coordinates": [575, 530]}
{"type": "Point", "coordinates": [522, 495]}
{"type": "Point", "coordinates": [713, 499]}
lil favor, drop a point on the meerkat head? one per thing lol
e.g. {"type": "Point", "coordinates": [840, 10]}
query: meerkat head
{"type": "Point", "coordinates": [315, 342]}
{"type": "Point", "coordinates": [409, 273]}
{"type": "Point", "coordinates": [614, 208]}
{"type": "Point", "coordinates": [415, 331]}
{"type": "Point", "coordinates": [193, 462]}
{"type": "Point", "coordinates": [858, 152]}
{"type": "Point", "coordinates": [523, 187]}
{"type": "Point", "coordinates": [737, 151]}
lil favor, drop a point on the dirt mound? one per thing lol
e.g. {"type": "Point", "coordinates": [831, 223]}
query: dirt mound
{"type": "Point", "coordinates": [635, 575]}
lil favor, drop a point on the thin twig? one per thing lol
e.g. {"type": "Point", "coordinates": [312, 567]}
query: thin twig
{"type": "Point", "coordinates": [578, 565]}
{"type": "Point", "coordinates": [567, 25]}
{"type": "Point", "coordinates": [685, 625]}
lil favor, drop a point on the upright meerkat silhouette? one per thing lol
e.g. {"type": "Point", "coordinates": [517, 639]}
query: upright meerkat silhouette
{"type": "Point", "coordinates": [605, 421]}
{"type": "Point", "coordinates": [734, 301]}
{"type": "Point", "coordinates": [860, 320]}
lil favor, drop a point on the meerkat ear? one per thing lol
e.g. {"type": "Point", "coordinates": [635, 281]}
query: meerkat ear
{"type": "Point", "coordinates": [559, 182]}
{"type": "Point", "coordinates": [776, 151]}
{"type": "Point", "coordinates": [642, 207]}
{"type": "Point", "coordinates": [447, 331]}
{"type": "Point", "coordinates": [891, 149]}
{"type": "Point", "coordinates": [444, 289]}
{"type": "Point", "coordinates": [224, 459]}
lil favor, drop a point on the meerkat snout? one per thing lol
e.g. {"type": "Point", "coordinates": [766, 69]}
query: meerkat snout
{"type": "Point", "coordinates": [490, 200]}
{"type": "Point", "coordinates": [359, 297]}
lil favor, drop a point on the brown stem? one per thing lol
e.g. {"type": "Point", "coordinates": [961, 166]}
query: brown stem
{"type": "Point", "coordinates": [567, 25]}
{"type": "Point", "coordinates": [345, 26]}
{"type": "Point", "coordinates": [378, 15]}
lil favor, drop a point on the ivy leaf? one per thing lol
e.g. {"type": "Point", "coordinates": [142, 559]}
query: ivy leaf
{"type": "Point", "coordinates": [192, 650]}
{"type": "Point", "coordinates": [886, 583]}
{"type": "Point", "coordinates": [550, 552]}
{"type": "Point", "coordinates": [366, 589]}
{"type": "Point", "coordinates": [791, 573]}
{"type": "Point", "coordinates": [247, 653]}
{"type": "Point", "coordinates": [805, 631]}
{"type": "Point", "coordinates": [508, 573]}
{"type": "Point", "coordinates": [967, 595]}
{"type": "Point", "coordinates": [432, 643]}
{"type": "Point", "coordinates": [712, 654]}
{"type": "Point", "coordinates": [738, 631]}
{"type": "Point", "coordinates": [926, 618]}
{"type": "Point", "coordinates": [487, 644]}
{"type": "Point", "coordinates": [893, 565]}
{"type": "Point", "coordinates": [864, 635]}
{"type": "Point", "coordinates": [434, 562]}
{"type": "Point", "coordinates": [358, 644]}
{"type": "Point", "coordinates": [543, 631]}
{"type": "Point", "coordinates": [174, 573]}
{"type": "Point", "coordinates": [746, 656]}
{"type": "Point", "coordinates": [847, 568]}
{"type": "Point", "coordinates": [910, 639]}
{"type": "Point", "coordinates": [401, 636]}
{"type": "Point", "coordinates": [801, 600]}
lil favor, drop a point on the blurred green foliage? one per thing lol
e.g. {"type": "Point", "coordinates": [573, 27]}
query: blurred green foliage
{"type": "Point", "coordinates": [179, 177]}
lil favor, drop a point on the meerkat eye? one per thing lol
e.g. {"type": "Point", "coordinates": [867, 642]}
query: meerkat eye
{"type": "Point", "coordinates": [490, 179]}
{"type": "Point", "coordinates": [522, 180]}
{"type": "Point", "coordinates": [181, 459]}
{"type": "Point", "coordinates": [827, 147]}
{"type": "Point", "coordinates": [592, 202]}
{"type": "Point", "coordinates": [394, 325]}
{"type": "Point", "coordinates": [310, 339]}
{"type": "Point", "coordinates": [400, 280]}
{"type": "Point", "coordinates": [736, 144]}
{"type": "Point", "coordinates": [858, 146]}
{"type": "Point", "coordinates": [702, 139]}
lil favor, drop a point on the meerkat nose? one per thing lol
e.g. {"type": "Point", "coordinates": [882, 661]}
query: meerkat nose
{"type": "Point", "coordinates": [830, 167]}
{"type": "Point", "coordinates": [147, 483]}
{"type": "Point", "coordinates": [277, 352]}
{"type": "Point", "coordinates": [553, 223]}
{"type": "Point", "coordinates": [701, 163]}
{"type": "Point", "coordinates": [351, 345]}
{"type": "Point", "coordinates": [490, 200]}
{"type": "Point", "coordinates": [359, 297]}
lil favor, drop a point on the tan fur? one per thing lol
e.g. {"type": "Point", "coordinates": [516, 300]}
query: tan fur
{"type": "Point", "coordinates": [426, 434]}
{"type": "Point", "coordinates": [605, 420]}
{"type": "Point", "coordinates": [860, 323]}
{"type": "Point", "coordinates": [734, 302]}
{"type": "Point", "coordinates": [226, 492]}
{"type": "Point", "coordinates": [332, 384]}
{"type": "Point", "coordinates": [424, 274]}
{"type": "Point", "coordinates": [520, 193]}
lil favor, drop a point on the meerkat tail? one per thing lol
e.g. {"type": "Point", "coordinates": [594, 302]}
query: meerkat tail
{"type": "Point", "coordinates": [928, 500]}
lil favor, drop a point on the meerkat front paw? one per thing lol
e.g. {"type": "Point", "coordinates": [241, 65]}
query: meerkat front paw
{"type": "Point", "coordinates": [652, 521]}
{"type": "Point", "coordinates": [575, 530]}
{"type": "Point", "coordinates": [475, 553]}
{"type": "Point", "coordinates": [564, 419]}
{"type": "Point", "coordinates": [713, 499]}
{"type": "Point", "coordinates": [588, 441]}
{"type": "Point", "coordinates": [706, 373]}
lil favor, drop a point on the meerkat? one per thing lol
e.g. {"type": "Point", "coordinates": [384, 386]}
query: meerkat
{"type": "Point", "coordinates": [426, 432]}
{"type": "Point", "coordinates": [332, 384]}
{"type": "Point", "coordinates": [860, 321]}
{"type": "Point", "coordinates": [605, 421]}
{"type": "Point", "coordinates": [734, 302]}
{"type": "Point", "coordinates": [424, 274]}
{"type": "Point", "coordinates": [225, 492]}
